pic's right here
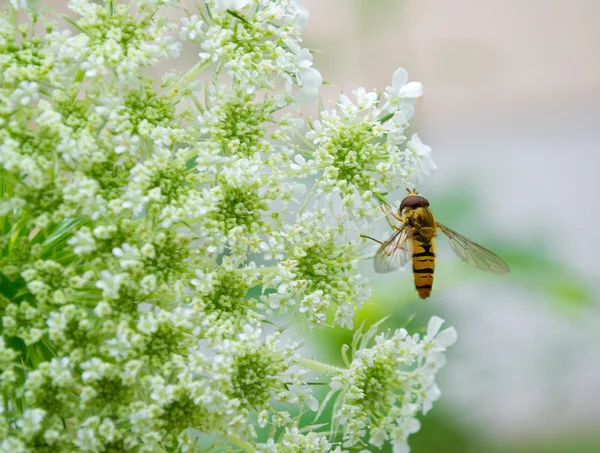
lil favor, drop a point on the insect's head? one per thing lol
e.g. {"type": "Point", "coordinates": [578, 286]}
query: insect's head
{"type": "Point", "coordinates": [413, 200]}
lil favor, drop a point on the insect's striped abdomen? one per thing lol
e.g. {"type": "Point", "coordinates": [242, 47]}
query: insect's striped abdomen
{"type": "Point", "coordinates": [423, 265]}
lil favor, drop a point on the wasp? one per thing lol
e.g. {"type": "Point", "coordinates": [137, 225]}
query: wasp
{"type": "Point", "coordinates": [415, 239]}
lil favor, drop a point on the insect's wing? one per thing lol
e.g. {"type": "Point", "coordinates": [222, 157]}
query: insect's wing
{"type": "Point", "coordinates": [395, 252]}
{"type": "Point", "coordinates": [473, 253]}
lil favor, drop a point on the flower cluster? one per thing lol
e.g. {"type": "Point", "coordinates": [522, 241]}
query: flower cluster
{"type": "Point", "coordinates": [388, 384]}
{"type": "Point", "coordinates": [153, 234]}
{"type": "Point", "coordinates": [257, 42]}
{"type": "Point", "coordinates": [314, 272]}
{"type": "Point", "coordinates": [292, 441]}
{"type": "Point", "coordinates": [359, 147]}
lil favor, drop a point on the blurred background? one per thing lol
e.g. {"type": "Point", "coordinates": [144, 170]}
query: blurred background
{"type": "Point", "coordinates": [511, 109]}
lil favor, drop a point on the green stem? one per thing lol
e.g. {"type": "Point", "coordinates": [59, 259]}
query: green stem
{"type": "Point", "coordinates": [246, 446]}
{"type": "Point", "coordinates": [304, 140]}
{"type": "Point", "coordinates": [79, 76]}
{"type": "Point", "coordinates": [319, 366]}
{"type": "Point", "coordinates": [309, 196]}
{"type": "Point", "coordinates": [12, 15]}
{"type": "Point", "coordinates": [384, 118]}
{"type": "Point", "coordinates": [187, 78]}
{"type": "Point", "coordinates": [260, 270]}
{"type": "Point", "coordinates": [237, 16]}
{"type": "Point", "coordinates": [381, 198]}
{"type": "Point", "coordinates": [365, 257]}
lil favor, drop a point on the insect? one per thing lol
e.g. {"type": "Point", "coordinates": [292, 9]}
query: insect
{"type": "Point", "coordinates": [415, 238]}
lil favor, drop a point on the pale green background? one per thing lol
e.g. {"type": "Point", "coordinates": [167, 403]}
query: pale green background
{"type": "Point", "coordinates": [511, 109]}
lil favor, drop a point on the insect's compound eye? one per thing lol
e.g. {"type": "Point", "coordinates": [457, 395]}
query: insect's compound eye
{"type": "Point", "coordinates": [413, 201]}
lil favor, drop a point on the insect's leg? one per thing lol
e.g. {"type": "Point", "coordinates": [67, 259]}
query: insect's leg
{"type": "Point", "coordinates": [373, 239]}
{"type": "Point", "coordinates": [387, 218]}
{"type": "Point", "coordinates": [387, 211]}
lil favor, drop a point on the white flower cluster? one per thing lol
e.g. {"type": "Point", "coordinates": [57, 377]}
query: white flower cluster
{"type": "Point", "coordinates": [292, 441]}
{"type": "Point", "coordinates": [257, 42]}
{"type": "Point", "coordinates": [152, 235]}
{"type": "Point", "coordinates": [359, 148]}
{"type": "Point", "coordinates": [314, 273]}
{"type": "Point", "coordinates": [388, 384]}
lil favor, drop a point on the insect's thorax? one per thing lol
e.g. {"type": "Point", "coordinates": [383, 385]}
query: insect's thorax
{"type": "Point", "coordinates": [422, 220]}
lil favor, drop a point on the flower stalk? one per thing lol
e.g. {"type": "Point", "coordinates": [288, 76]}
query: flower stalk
{"type": "Point", "coordinates": [319, 366]}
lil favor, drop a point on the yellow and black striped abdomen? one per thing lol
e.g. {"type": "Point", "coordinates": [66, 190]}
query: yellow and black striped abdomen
{"type": "Point", "coordinates": [423, 265]}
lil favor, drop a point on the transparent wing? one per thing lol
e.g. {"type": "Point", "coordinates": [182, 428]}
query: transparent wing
{"type": "Point", "coordinates": [395, 252]}
{"type": "Point", "coordinates": [473, 253]}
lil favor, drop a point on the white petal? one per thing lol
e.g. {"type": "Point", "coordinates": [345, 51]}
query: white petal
{"type": "Point", "coordinates": [307, 95]}
{"type": "Point", "coordinates": [447, 337]}
{"type": "Point", "coordinates": [238, 4]}
{"type": "Point", "coordinates": [301, 18]}
{"type": "Point", "coordinates": [434, 326]}
{"type": "Point", "coordinates": [400, 78]}
{"type": "Point", "coordinates": [344, 100]}
{"type": "Point", "coordinates": [312, 403]}
{"type": "Point", "coordinates": [411, 90]}
{"type": "Point", "coordinates": [310, 82]}
{"type": "Point", "coordinates": [231, 4]}
{"type": "Point", "coordinates": [434, 393]}
{"type": "Point", "coordinates": [436, 360]}
{"type": "Point", "coordinates": [415, 140]}
{"type": "Point", "coordinates": [415, 426]}
{"type": "Point", "coordinates": [304, 59]}
{"type": "Point", "coordinates": [282, 288]}
{"type": "Point", "coordinates": [401, 447]}
{"type": "Point", "coordinates": [311, 77]}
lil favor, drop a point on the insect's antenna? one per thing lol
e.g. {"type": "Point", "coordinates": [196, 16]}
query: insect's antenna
{"type": "Point", "coordinates": [408, 190]}
{"type": "Point", "coordinates": [373, 239]}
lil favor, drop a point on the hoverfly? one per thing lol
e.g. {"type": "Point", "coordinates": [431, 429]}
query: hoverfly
{"type": "Point", "coordinates": [414, 238]}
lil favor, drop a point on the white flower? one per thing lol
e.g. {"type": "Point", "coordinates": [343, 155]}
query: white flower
{"type": "Point", "coordinates": [31, 422]}
{"type": "Point", "coordinates": [110, 284]}
{"type": "Point", "coordinates": [27, 5]}
{"type": "Point", "coordinates": [126, 141]}
{"type": "Point", "coordinates": [128, 255]}
{"type": "Point", "coordinates": [161, 393]}
{"type": "Point", "coordinates": [404, 90]}
{"type": "Point", "coordinates": [167, 48]}
{"type": "Point", "coordinates": [83, 242]}
{"type": "Point", "coordinates": [301, 15]}
{"type": "Point", "coordinates": [12, 444]}
{"type": "Point", "coordinates": [231, 4]}
{"type": "Point", "coordinates": [60, 372]}
{"type": "Point", "coordinates": [366, 99]}
{"type": "Point", "coordinates": [418, 154]}
{"type": "Point", "coordinates": [192, 27]}
{"type": "Point", "coordinates": [94, 369]}
{"type": "Point", "coordinates": [310, 83]}
{"type": "Point", "coordinates": [443, 339]}
{"type": "Point", "coordinates": [94, 66]}
{"type": "Point", "coordinates": [27, 93]}
{"type": "Point", "coordinates": [402, 95]}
